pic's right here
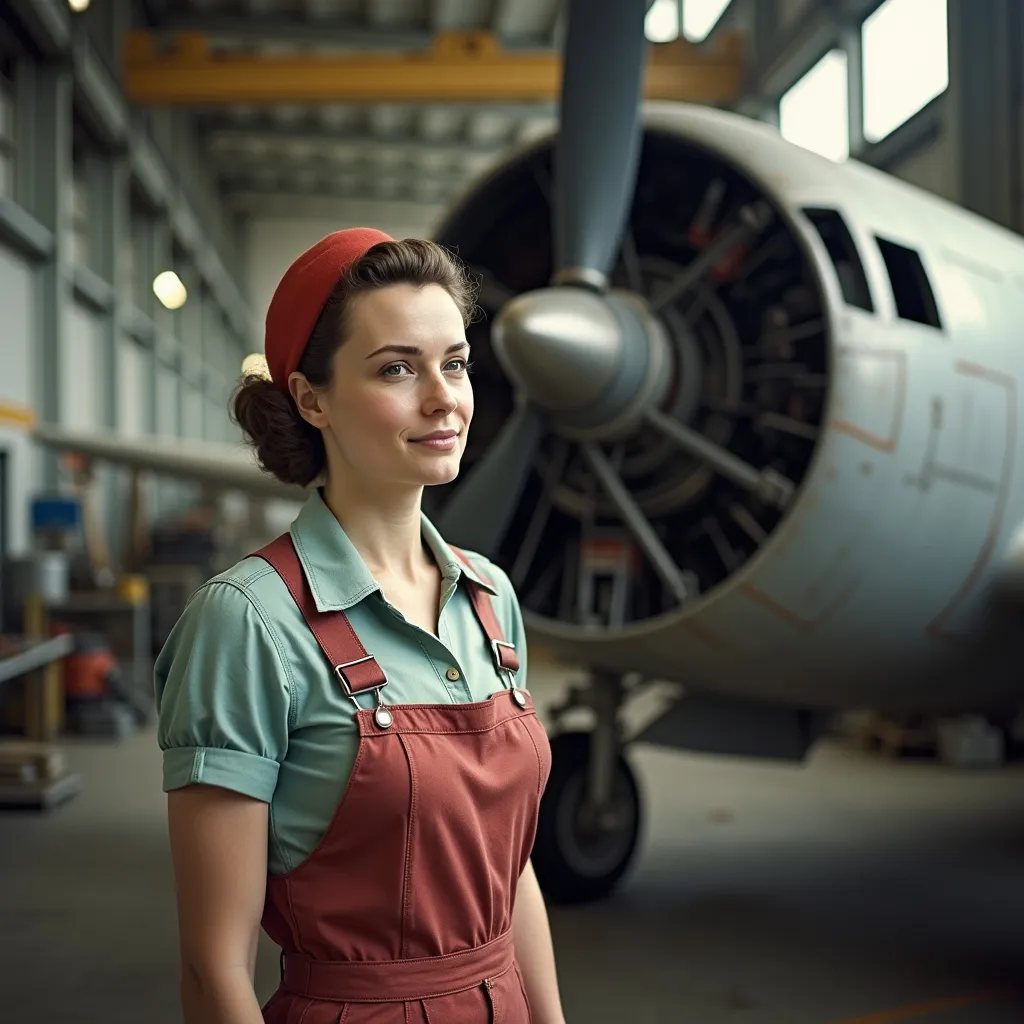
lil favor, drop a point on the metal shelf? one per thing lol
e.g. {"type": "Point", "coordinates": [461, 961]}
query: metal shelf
{"type": "Point", "coordinates": [34, 654]}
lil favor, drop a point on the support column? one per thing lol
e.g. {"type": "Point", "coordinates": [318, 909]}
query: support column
{"type": "Point", "coordinates": [45, 90]}
{"type": "Point", "coordinates": [109, 184]}
{"type": "Point", "coordinates": [850, 41]}
{"type": "Point", "coordinates": [190, 338]}
{"type": "Point", "coordinates": [762, 19]}
{"type": "Point", "coordinates": [985, 73]}
{"type": "Point", "coordinates": [111, 247]}
{"type": "Point", "coordinates": [165, 338]}
{"type": "Point", "coordinates": [211, 431]}
{"type": "Point", "coordinates": [166, 356]}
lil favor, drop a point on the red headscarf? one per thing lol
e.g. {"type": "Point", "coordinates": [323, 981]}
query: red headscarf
{"type": "Point", "coordinates": [300, 296]}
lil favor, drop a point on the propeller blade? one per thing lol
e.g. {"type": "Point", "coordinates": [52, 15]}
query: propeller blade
{"type": "Point", "coordinates": [478, 515]}
{"type": "Point", "coordinates": [598, 146]}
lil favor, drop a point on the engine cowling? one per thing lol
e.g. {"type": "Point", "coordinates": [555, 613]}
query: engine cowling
{"type": "Point", "coordinates": [817, 350]}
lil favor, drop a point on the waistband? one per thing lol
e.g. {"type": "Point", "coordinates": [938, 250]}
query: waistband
{"type": "Point", "coordinates": [395, 981]}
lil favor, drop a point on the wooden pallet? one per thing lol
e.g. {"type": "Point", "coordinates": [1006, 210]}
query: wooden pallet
{"type": "Point", "coordinates": [27, 761]}
{"type": "Point", "coordinates": [34, 775]}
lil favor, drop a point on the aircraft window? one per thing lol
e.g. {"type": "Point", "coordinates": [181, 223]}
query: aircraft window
{"type": "Point", "coordinates": [841, 247]}
{"type": "Point", "coordinates": [910, 286]}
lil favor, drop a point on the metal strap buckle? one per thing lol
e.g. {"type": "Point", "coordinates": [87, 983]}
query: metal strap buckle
{"type": "Point", "coordinates": [381, 715]}
{"type": "Point", "coordinates": [495, 645]}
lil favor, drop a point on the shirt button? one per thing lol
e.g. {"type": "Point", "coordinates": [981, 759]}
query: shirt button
{"type": "Point", "coordinates": [453, 674]}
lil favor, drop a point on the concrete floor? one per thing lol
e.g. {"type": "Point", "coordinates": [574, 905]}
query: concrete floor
{"type": "Point", "coordinates": [846, 891]}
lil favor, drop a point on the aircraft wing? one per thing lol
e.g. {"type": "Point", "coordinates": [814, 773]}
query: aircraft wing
{"type": "Point", "coordinates": [224, 466]}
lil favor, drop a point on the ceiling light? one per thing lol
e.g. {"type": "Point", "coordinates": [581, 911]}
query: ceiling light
{"type": "Point", "coordinates": [255, 365]}
{"type": "Point", "coordinates": [78, 5]}
{"type": "Point", "coordinates": [169, 290]}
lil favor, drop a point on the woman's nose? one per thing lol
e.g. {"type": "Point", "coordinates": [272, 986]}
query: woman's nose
{"type": "Point", "coordinates": [441, 395]}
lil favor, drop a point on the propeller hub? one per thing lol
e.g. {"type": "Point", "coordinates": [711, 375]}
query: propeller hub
{"type": "Point", "coordinates": [560, 346]}
{"type": "Point", "coordinates": [591, 362]}
{"type": "Point", "coordinates": [582, 277]}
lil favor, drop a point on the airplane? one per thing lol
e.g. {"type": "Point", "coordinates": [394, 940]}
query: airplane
{"type": "Point", "coordinates": [747, 422]}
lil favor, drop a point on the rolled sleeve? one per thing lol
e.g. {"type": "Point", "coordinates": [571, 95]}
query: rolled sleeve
{"type": "Point", "coordinates": [223, 701]}
{"type": "Point", "coordinates": [237, 770]}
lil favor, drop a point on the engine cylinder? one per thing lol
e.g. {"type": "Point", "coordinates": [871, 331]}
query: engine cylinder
{"type": "Point", "coordinates": [744, 313]}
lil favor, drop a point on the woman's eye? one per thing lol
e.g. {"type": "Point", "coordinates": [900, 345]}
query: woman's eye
{"type": "Point", "coordinates": [402, 370]}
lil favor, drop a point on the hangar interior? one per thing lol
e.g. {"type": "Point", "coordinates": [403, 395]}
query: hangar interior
{"type": "Point", "coordinates": [161, 163]}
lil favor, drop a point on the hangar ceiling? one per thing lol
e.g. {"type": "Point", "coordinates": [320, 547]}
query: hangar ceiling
{"type": "Point", "coordinates": [369, 99]}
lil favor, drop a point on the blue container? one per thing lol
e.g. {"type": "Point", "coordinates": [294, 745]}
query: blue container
{"type": "Point", "coordinates": [50, 514]}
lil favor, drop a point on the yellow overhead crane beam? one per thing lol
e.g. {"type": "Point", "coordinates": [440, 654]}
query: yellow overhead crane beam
{"type": "Point", "coordinates": [459, 67]}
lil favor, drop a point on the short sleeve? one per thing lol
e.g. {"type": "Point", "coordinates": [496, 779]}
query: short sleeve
{"type": "Point", "coordinates": [222, 696]}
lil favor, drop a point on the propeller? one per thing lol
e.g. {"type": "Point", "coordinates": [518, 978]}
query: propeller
{"type": "Point", "coordinates": [541, 338]}
{"type": "Point", "coordinates": [482, 510]}
{"type": "Point", "coordinates": [598, 145]}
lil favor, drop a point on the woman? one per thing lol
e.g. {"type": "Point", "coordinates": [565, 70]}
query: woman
{"type": "Point", "coordinates": [385, 847]}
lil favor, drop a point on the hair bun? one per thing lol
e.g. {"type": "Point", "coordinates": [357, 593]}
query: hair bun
{"type": "Point", "coordinates": [285, 444]}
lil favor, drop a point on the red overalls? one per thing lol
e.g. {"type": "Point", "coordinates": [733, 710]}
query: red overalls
{"type": "Point", "coordinates": [402, 914]}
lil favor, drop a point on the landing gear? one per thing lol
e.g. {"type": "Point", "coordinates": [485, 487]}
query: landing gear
{"type": "Point", "coordinates": [590, 815]}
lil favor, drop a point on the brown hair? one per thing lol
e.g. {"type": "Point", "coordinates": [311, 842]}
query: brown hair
{"type": "Point", "coordinates": [286, 445]}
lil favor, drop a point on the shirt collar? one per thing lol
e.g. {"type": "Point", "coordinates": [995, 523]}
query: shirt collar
{"type": "Point", "coordinates": [451, 565]}
{"type": "Point", "coordinates": [337, 575]}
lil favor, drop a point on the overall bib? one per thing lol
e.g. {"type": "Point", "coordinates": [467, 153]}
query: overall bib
{"type": "Point", "coordinates": [402, 914]}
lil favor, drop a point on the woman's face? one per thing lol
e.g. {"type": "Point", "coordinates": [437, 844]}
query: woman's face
{"type": "Point", "coordinates": [400, 402]}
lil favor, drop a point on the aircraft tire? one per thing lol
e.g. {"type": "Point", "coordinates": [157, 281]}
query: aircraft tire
{"type": "Point", "coordinates": [572, 864]}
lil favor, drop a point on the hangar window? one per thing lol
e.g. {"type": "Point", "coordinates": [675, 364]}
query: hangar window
{"type": "Point", "coordinates": [694, 18]}
{"type": "Point", "coordinates": [911, 289]}
{"type": "Point", "coordinates": [843, 250]}
{"type": "Point", "coordinates": [906, 62]}
{"type": "Point", "coordinates": [701, 16]}
{"type": "Point", "coordinates": [815, 112]}
{"type": "Point", "coordinates": [662, 22]}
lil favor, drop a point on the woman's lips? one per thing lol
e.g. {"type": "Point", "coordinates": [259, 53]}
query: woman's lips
{"type": "Point", "coordinates": [439, 444]}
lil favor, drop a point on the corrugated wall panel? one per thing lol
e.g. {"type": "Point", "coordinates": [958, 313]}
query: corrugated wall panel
{"type": "Point", "coordinates": [17, 386]}
{"type": "Point", "coordinates": [16, 328]}
{"type": "Point", "coordinates": [167, 492]}
{"type": "Point", "coordinates": [133, 393]}
{"type": "Point", "coordinates": [192, 425]}
{"type": "Point", "coordinates": [82, 387]}
{"type": "Point", "coordinates": [218, 425]}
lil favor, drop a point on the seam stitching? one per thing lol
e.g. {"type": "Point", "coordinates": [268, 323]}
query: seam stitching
{"type": "Point", "coordinates": [409, 837]}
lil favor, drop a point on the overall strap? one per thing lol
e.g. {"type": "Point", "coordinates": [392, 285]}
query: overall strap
{"type": "Point", "coordinates": [505, 656]}
{"type": "Point", "coordinates": [357, 670]}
